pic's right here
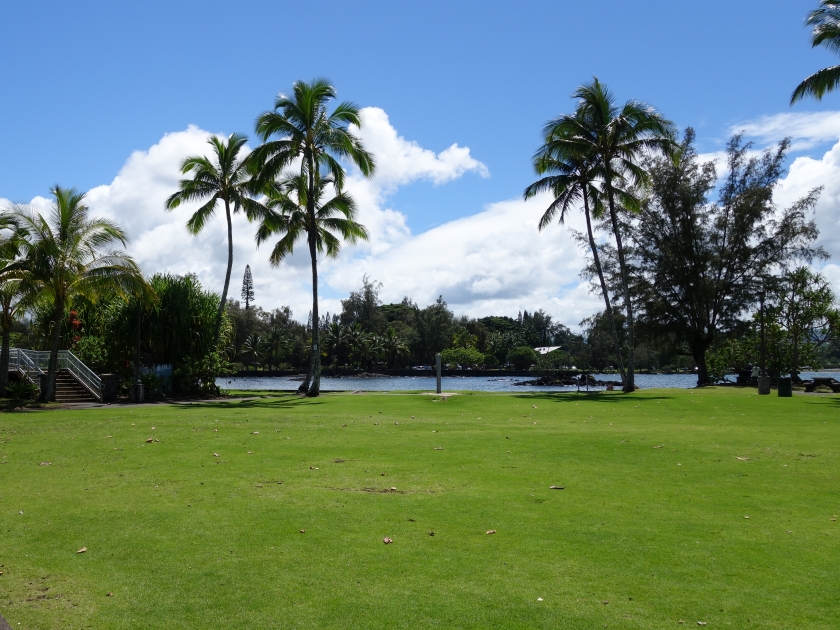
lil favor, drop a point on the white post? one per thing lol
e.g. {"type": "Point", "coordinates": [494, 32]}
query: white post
{"type": "Point", "coordinates": [437, 365]}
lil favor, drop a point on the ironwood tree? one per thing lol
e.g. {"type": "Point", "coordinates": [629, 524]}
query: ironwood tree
{"type": "Point", "coordinates": [696, 262]}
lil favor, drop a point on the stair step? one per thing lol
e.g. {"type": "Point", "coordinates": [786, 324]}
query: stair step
{"type": "Point", "coordinates": [69, 390]}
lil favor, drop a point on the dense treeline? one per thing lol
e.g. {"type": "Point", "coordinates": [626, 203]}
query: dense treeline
{"type": "Point", "coordinates": [369, 335]}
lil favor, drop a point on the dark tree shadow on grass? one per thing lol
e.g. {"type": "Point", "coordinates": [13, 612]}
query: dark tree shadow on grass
{"type": "Point", "coordinates": [612, 398]}
{"type": "Point", "coordinates": [817, 400]}
{"type": "Point", "coordinates": [9, 405]}
{"type": "Point", "coordinates": [285, 401]}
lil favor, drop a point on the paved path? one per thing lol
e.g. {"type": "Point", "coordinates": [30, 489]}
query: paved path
{"type": "Point", "coordinates": [4, 625]}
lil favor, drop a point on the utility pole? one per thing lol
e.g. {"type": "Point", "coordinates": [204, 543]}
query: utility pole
{"type": "Point", "coordinates": [763, 379]}
{"type": "Point", "coordinates": [137, 393]}
{"type": "Point", "coordinates": [437, 366]}
{"type": "Point", "coordinates": [763, 359]}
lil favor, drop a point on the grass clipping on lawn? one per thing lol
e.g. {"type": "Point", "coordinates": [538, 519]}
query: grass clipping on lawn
{"type": "Point", "coordinates": [713, 506]}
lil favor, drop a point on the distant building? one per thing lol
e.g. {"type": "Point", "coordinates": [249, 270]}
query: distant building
{"type": "Point", "coordinates": [546, 349]}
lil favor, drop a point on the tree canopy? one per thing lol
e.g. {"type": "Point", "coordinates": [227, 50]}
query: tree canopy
{"type": "Point", "coordinates": [696, 261]}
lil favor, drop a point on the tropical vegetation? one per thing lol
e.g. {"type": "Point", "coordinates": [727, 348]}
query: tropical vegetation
{"type": "Point", "coordinates": [571, 177]}
{"type": "Point", "coordinates": [68, 256]}
{"type": "Point", "coordinates": [679, 256]}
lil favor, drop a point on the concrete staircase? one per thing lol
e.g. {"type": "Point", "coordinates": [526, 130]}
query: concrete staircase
{"type": "Point", "coordinates": [69, 390]}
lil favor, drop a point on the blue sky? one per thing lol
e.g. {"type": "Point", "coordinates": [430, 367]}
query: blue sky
{"type": "Point", "coordinates": [88, 83]}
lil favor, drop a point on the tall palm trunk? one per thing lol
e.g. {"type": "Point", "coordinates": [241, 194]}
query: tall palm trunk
{"type": "Point", "coordinates": [222, 302]}
{"type": "Point", "coordinates": [312, 385]}
{"type": "Point", "coordinates": [702, 367]}
{"type": "Point", "coordinates": [629, 381]}
{"type": "Point", "coordinates": [607, 302]}
{"type": "Point", "coordinates": [310, 369]}
{"type": "Point", "coordinates": [315, 389]}
{"type": "Point", "coordinates": [48, 394]}
{"type": "Point", "coordinates": [4, 356]}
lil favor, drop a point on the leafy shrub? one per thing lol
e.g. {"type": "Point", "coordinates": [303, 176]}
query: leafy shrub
{"type": "Point", "coordinates": [197, 377]}
{"type": "Point", "coordinates": [179, 330]}
{"type": "Point", "coordinates": [21, 390]}
{"type": "Point", "coordinates": [92, 352]}
{"type": "Point", "coordinates": [461, 356]}
{"type": "Point", "coordinates": [152, 385]}
{"type": "Point", "coordinates": [729, 356]}
{"type": "Point", "coordinates": [521, 357]}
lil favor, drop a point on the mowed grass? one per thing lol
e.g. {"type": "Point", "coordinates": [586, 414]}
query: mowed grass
{"type": "Point", "coordinates": [650, 529]}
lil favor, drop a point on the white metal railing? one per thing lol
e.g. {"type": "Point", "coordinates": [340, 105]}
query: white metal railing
{"type": "Point", "coordinates": [34, 363]}
{"type": "Point", "coordinates": [87, 377]}
{"type": "Point", "coordinates": [21, 361]}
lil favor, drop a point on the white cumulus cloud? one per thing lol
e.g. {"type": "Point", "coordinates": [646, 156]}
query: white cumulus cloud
{"type": "Point", "coordinates": [400, 161]}
{"type": "Point", "coordinates": [806, 129]}
{"type": "Point", "coordinates": [160, 242]}
{"type": "Point", "coordinates": [807, 173]}
{"type": "Point", "coordinates": [492, 262]}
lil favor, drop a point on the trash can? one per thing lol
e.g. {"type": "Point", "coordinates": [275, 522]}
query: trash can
{"type": "Point", "coordinates": [785, 387]}
{"type": "Point", "coordinates": [137, 394]}
{"type": "Point", "coordinates": [764, 385]}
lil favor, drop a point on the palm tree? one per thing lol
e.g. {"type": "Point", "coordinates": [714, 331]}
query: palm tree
{"type": "Point", "coordinates": [252, 348]}
{"type": "Point", "coordinates": [290, 217]}
{"type": "Point", "coordinates": [335, 340]}
{"type": "Point", "coordinates": [277, 342]}
{"type": "Point", "coordinates": [15, 296]}
{"type": "Point", "coordinates": [224, 178]}
{"type": "Point", "coordinates": [617, 139]}
{"type": "Point", "coordinates": [500, 343]}
{"type": "Point", "coordinates": [66, 256]}
{"type": "Point", "coordinates": [303, 130]}
{"type": "Point", "coordinates": [366, 348]}
{"type": "Point", "coordinates": [572, 178]}
{"type": "Point", "coordinates": [394, 346]}
{"type": "Point", "coordinates": [374, 349]}
{"type": "Point", "coordinates": [826, 32]}
{"type": "Point", "coordinates": [356, 340]}
{"type": "Point", "coordinates": [463, 339]}
{"type": "Point", "coordinates": [12, 304]}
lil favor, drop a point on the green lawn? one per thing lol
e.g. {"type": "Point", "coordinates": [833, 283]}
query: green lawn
{"type": "Point", "coordinates": [650, 529]}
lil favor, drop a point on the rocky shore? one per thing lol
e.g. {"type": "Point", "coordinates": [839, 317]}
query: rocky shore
{"type": "Point", "coordinates": [569, 381]}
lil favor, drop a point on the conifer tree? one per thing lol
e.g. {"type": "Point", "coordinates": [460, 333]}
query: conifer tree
{"type": "Point", "coordinates": [247, 287]}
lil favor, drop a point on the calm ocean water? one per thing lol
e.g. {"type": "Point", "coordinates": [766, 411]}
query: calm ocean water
{"type": "Point", "coordinates": [456, 383]}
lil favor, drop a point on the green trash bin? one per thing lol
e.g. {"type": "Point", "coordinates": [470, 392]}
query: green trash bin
{"type": "Point", "coordinates": [785, 387]}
